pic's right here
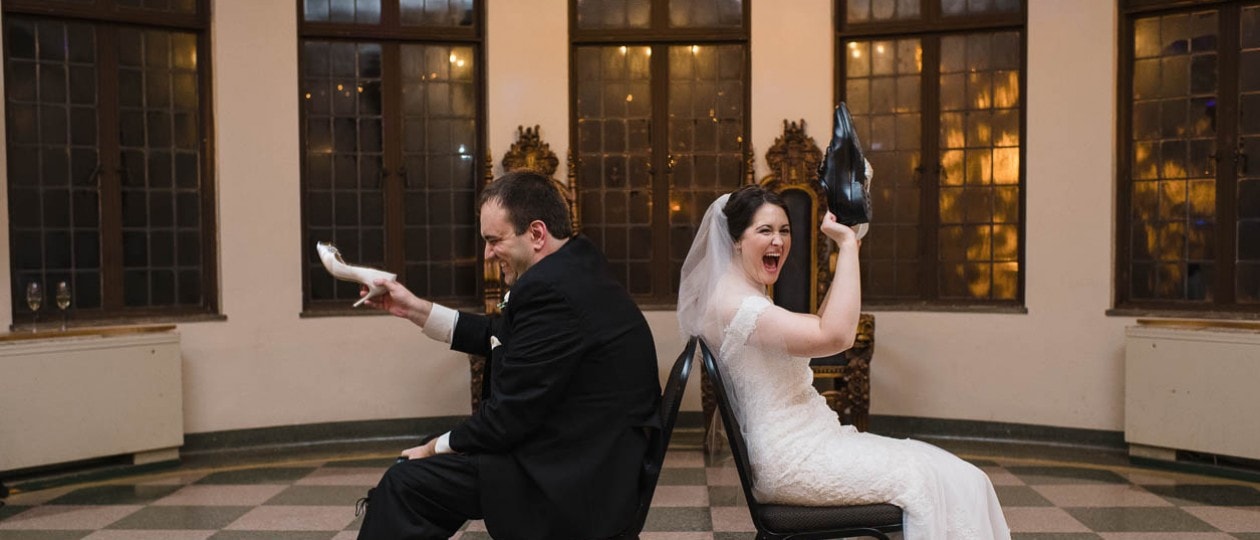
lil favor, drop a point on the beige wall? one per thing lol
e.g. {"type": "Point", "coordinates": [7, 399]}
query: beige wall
{"type": "Point", "coordinates": [1058, 365]}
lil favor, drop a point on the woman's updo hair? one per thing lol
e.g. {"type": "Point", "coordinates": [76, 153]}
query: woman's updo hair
{"type": "Point", "coordinates": [743, 204]}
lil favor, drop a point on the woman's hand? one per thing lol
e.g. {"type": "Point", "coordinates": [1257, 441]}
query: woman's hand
{"type": "Point", "coordinates": [840, 234]}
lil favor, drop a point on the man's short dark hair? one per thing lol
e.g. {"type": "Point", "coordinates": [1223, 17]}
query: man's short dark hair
{"type": "Point", "coordinates": [527, 196]}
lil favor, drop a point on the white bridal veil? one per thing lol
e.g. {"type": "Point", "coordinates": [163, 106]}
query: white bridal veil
{"type": "Point", "coordinates": [707, 263]}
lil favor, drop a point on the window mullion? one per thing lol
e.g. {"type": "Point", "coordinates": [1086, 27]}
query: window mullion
{"type": "Point", "coordinates": [929, 171]}
{"type": "Point", "coordinates": [1227, 152]}
{"type": "Point", "coordinates": [662, 176]}
{"type": "Point", "coordinates": [110, 178]}
{"type": "Point", "coordinates": [393, 174]}
{"type": "Point", "coordinates": [660, 15]}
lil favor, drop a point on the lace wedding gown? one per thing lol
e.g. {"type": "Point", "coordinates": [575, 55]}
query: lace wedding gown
{"type": "Point", "coordinates": [801, 454]}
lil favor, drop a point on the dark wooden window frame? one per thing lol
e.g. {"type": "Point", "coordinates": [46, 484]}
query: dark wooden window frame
{"type": "Point", "coordinates": [109, 14]}
{"type": "Point", "coordinates": [1224, 305]}
{"type": "Point", "coordinates": [660, 34]}
{"type": "Point", "coordinates": [390, 32]}
{"type": "Point", "coordinates": [932, 24]}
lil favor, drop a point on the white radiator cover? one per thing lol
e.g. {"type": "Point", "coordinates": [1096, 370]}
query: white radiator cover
{"type": "Point", "coordinates": [76, 398]}
{"type": "Point", "coordinates": [1192, 389]}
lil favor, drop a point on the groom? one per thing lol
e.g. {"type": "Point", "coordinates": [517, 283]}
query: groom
{"type": "Point", "coordinates": [556, 448]}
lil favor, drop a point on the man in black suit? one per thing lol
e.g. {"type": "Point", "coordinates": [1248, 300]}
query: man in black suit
{"type": "Point", "coordinates": [557, 446]}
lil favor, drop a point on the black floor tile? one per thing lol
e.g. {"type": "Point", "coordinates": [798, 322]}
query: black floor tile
{"type": "Point", "coordinates": [264, 475]}
{"type": "Point", "coordinates": [1065, 475]}
{"type": "Point", "coordinates": [181, 517]}
{"type": "Point", "coordinates": [1208, 494]}
{"type": "Point", "coordinates": [674, 519]}
{"type": "Point", "coordinates": [1020, 496]}
{"type": "Point", "coordinates": [272, 535]}
{"type": "Point", "coordinates": [682, 477]}
{"type": "Point", "coordinates": [12, 510]}
{"type": "Point", "coordinates": [383, 463]}
{"type": "Point", "coordinates": [43, 535]}
{"type": "Point", "coordinates": [123, 494]}
{"type": "Point", "coordinates": [726, 496]}
{"type": "Point", "coordinates": [319, 496]}
{"type": "Point", "coordinates": [1054, 536]}
{"type": "Point", "coordinates": [1139, 520]}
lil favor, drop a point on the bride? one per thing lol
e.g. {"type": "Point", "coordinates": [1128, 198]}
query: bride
{"type": "Point", "coordinates": [799, 451]}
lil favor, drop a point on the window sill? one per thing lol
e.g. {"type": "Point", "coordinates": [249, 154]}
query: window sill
{"type": "Point", "coordinates": [990, 309]}
{"type": "Point", "coordinates": [1184, 314]}
{"type": "Point", "coordinates": [344, 310]}
{"type": "Point", "coordinates": [51, 327]}
{"type": "Point", "coordinates": [340, 312]}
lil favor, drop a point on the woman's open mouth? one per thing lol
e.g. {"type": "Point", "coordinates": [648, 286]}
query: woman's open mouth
{"type": "Point", "coordinates": [771, 263]}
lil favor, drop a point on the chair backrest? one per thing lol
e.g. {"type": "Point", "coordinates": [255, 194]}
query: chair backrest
{"type": "Point", "coordinates": [671, 401]}
{"type": "Point", "coordinates": [739, 449]}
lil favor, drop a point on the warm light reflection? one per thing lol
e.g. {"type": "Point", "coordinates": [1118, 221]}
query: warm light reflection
{"type": "Point", "coordinates": [695, 49]}
{"type": "Point", "coordinates": [340, 88]}
{"type": "Point", "coordinates": [623, 49]}
{"type": "Point", "coordinates": [459, 63]}
{"type": "Point", "coordinates": [308, 95]}
{"type": "Point", "coordinates": [1006, 90]}
{"type": "Point", "coordinates": [856, 53]}
{"type": "Point", "coordinates": [629, 97]}
{"type": "Point", "coordinates": [453, 58]}
{"type": "Point", "coordinates": [879, 49]}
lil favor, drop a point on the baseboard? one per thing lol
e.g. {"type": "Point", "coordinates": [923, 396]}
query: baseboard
{"type": "Point", "coordinates": [1002, 432]}
{"type": "Point", "coordinates": [317, 435]}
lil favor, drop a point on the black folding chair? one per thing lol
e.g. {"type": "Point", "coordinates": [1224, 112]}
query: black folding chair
{"type": "Point", "coordinates": [778, 521]}
{"type": "Point", "coordinates": [671, 401]}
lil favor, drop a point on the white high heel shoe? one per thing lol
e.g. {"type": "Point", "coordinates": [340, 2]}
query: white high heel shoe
{"type": "Point", "coordinates": [339, 269]}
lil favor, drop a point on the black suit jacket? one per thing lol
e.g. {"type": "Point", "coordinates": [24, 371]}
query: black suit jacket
{"type": "Point", "coordinates": [572, 391]}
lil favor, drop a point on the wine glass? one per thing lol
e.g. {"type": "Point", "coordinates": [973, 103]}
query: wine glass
{"type": "Point", "coordinates": [34, 299]}
{"type": "Point", "coordinates": [63, 302]}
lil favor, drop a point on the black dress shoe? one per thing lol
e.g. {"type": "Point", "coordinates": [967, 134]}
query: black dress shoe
{"type": "Point", "coordinates": [843, 173]}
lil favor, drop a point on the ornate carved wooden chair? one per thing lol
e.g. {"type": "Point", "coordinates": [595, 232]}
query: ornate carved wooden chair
{"type": "Point", "coordinates": [528, 152]}
{"type": "Point", "coordinates": [843, 379]}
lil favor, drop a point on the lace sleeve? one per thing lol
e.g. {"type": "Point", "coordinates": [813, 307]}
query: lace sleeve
{"type": "Point", "coordinates": [744, 323]}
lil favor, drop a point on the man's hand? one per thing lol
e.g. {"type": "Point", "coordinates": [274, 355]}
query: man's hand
{"type": "Point", "coordinates": [400, 302]}
{"type": "Point", "coordinates": [428, 449]}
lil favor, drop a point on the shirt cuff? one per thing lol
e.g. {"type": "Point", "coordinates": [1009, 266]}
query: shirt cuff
{"type": "Point", "coordinates": [441, 323]}
{"type": "Point", "coordinates": [443, 445]}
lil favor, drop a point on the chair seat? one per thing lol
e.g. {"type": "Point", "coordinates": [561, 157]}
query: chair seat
{"type": "Point", "coordinates": [785, 519]}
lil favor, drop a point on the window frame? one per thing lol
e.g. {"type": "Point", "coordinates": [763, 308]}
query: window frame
{"type": "Point", "coordinates": [107, 15]}
{"type": "Point", "coordinates": [390, 33]}
{"type": "Point", "coordinates": [930, 28]}
{"type": "Point", "coordinates": [660, 36]}
{"type": "Point", "coordinates": [1225, 304]}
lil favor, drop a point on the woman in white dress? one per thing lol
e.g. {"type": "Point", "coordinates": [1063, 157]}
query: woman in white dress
{"type": "Point", "coordinates": [799, 451]}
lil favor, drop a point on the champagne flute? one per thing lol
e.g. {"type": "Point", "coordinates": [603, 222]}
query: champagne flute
{"type": "Point", "coordinates": [34, 299]}
{"type": "Point", "coordinates": [63, 302]}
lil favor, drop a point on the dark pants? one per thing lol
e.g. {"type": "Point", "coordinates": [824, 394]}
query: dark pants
{"type": "Point", "coordinates": [423, 499]}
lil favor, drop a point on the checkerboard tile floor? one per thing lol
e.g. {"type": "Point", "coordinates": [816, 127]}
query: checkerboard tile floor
{"type": "Point", "coordinates": [314, 500]}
